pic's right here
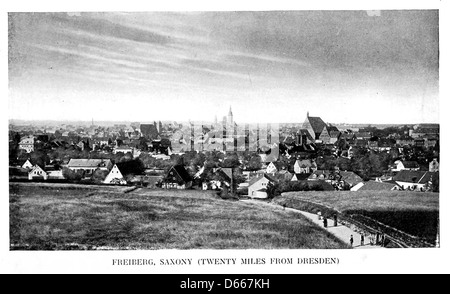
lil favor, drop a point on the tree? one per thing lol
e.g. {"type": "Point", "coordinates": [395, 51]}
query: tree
{"type": "Point", "coordinates": [40, 158]}
{"type": "Point", "coordinates": [435, 183]}
{"type": "Point", "coordinates": [99, 175]}
{"type": "Point", "coordinates": [255, 163]}
{"type": "Point", "coordinates": [231, 161]}
{"type": "Point", "coordinates": [73, 176]}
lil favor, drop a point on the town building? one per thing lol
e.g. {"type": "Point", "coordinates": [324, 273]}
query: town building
{"type": "Point", "coordinates": [177, 178]}
{"type": "Point", "coordinates": [375, 186]}
{"type": "Point", "coordinates": [27, 144]}
{"type": "Point", "coordinates": [37, 173]}
{"type": "Point", "coordinates": [414, 180]}
{"type": "Point", "coordinates": [257, 187]}
{"type": "Point", "coordinates": [115, 177]}
{"type": "Point", "coordinates": [404, 165]}
{"type": "Point", "coordinates": [89, 165]}
{"type": "Point", "coordinates": [314, 125]}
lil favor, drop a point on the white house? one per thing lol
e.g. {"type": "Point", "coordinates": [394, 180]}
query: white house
{"type": "Point", "coordinates": [271, 168]}
{"type": "Point", "coordinates": [415, 180]}
{"type": "Point", "coordinates": [27, 164]}
{"type": "Point", "coordinates": [405, 165]}
{"type": "Point", "coordinates": [123, 149]}
{"type": "Point", "coordinates": [27, 144]}
{"type": "Point", "coordinates": [304, 166]}
{"type": "Point", "coordinates": [115, 177]}
{"type": "Point", "coordinates": [434, 165]}
{"type": "Point", "coordinates": [257, 187]}
{"type": "Point", "coordinates": [37, 173]}
{"type": "Point", "coordinates": [89, 165]}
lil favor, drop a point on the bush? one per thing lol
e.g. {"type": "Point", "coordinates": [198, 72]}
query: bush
{"type": "Point", "coordinates": [73, 176]}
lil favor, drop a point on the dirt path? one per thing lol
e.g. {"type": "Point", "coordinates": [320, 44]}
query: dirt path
{"type": "Point", "coordinates": [340, 231]}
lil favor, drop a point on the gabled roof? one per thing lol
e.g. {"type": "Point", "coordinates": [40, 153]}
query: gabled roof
{"type": "Point", "coordinates": [226, 170]}
{"type": "Point", "coordinates": [410, 164]}
{"type": "Point", "coordinates": [90, 163]}
{"type": "Point", "coordinates": [363, 135]}
{"type": "Point", "coordinates": [304, 132]}
{"type": "Point", "coordinates": [37, 167]}
{"type": "Point", "coordinates": [182, 172]}
{"type": "Point", "coordinates": [301, 177]}
{"type": "Point", "coordinates": [416, 177]}
{"type": "Point", "coordinates": [350, 177]}
{"type": "Point", "coordinates": [149, 130]}
{"type": "Point", "coordinates": [377, 186]}
{"type": "Point", "coordinates": [347, 136]}
{"type": "Point", "coordinates": [304, 163]}
{"type": "Point", "coordinates": [256, 179]}
{"type": "Point", "coordinates": [316, 123]}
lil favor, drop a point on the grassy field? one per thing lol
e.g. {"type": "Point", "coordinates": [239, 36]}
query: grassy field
{"type": "Point", "coordinates": [415, 213]}
{"type": "Point", "coordinates": [58, 218]}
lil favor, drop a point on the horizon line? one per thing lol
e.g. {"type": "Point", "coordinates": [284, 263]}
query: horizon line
{"type": "Point", "coordinates": [212, 122]}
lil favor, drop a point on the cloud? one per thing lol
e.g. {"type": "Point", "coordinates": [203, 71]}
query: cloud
{"type": "Point", "coordinates": [373, 12]}
{"type": "Point", "coordinates": [268, 58]}
{"type": "Point", "coordinates": [107, 28]}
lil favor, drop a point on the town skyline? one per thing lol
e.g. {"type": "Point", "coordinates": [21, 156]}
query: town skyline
{"type": "Point", "coordinates": [346, 66]}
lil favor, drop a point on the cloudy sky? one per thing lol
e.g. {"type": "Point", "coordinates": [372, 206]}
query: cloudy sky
{"type": "Point", "coordinates": [344, 66]}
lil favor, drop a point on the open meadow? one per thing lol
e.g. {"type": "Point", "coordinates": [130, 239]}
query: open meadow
{"type": "Point", "coordinates": [74, 217]}
{"type": "Point", "coordinates": [413, 213]}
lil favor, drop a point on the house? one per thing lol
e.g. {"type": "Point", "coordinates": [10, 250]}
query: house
{"type": "Point", "coordinates": [177, 178]}
{"type": "Point", "coordinates": [304, 166]}
{"type": "Point", "coordinates": [257, 187]}
{"type": "Point", "coordinates": [303, 137]}
{"type": "Point", "coordinates": [37, 173]}
{"type": "Point", "coordinates": [361, 143]}
{"type": "Point", "coordinates": [372, 144]}
{"type": "Point", "coordinates": [299, 177]}
{"type": "Point", "coordinates": [337, 177]}
{"type": "Point", "coordinates": [314, 125]}
{"type": "Point", "coordinates": [271, 168]}
{"type": "Point", "coordinates": [115, 177]}
{"type": "Point", "coordinates": [124, 149]}
{"type": "Point", "coordinates": [89, 165]}
{"type": "Point", "coordinates": [149, 131]}
{"type": "Point", "coordinates": [405, 140]}
{"type": "Point", "coordinates": [414, 180]}
{"type": "Point", "coordinates": [330, 134]}
{"type": "Point", "coordinates": [27, 144]}
{"type": "Point", "coordinates": [223, 177]}
{"type": "Point", "coordinates": [363, 135]}
{"type": "Point", "coordinates": [347, 137]}
{"type": "Point", "coordinates": [102, 141]}
{"type": "Point", "coordinates": [53, 172]}
{"type": "Point", "coordinates": [284, 175]}
{"type": "Point", "coordinates": [433, 166]}
{"type": "Point", "coordinates": [27, 164]}
{"type": "Point", "coordinates": [405, 165]}
{"type": "Point", "coordinates": [350, 178]}
{"type": "Point", "coordinates": [375, 186]}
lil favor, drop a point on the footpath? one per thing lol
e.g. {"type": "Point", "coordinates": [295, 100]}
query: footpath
{"type": "Point", "coordinates": [341, 231]}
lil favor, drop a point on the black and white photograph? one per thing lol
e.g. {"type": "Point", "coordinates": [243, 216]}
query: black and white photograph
{"type": "Point", "coordinates": [199, 133]}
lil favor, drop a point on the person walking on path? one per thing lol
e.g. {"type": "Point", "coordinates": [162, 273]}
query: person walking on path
{"type": "Point", "coordinates": [325, 222]}
{"type": "Point", "coordinates": [319, 215]}
{"type": "Point", "coordinates": [335, 220]}
{"type": "Point", "coordinates": [351, 240]}
{"type": "Point", "coordinates": [362, 239]}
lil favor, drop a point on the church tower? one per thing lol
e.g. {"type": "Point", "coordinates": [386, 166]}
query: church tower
{"type": "Point", "coordinates": [230, 118]}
